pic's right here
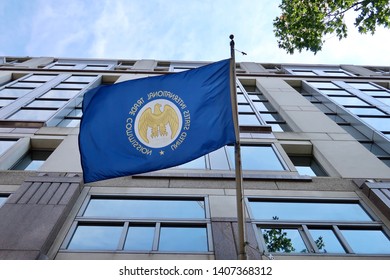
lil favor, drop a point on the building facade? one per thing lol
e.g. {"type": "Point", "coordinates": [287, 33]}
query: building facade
{"type": "Point", "coordinates": [315, 147]}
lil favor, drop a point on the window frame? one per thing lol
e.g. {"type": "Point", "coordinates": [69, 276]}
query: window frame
{"type": "Point", "coordinates": [304, 227]}
{"type": "Point", "coordinates": [126, 223]}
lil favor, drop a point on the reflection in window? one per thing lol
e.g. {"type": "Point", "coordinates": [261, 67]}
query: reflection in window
{"type": "Point", "coordinates": [306, 165]}
{"type": "Point", "coordinates": [183, 239]}
{"type": "Point", "coordinates": [139, 238]}
{"type": "Point", "coordinates": [89, 237]}
{"type": "Point", "coordinates": [257, 158]}
{"type": "Point", "coordinates": [326, 241]}
{"type": "Point", "coordinates": [145, 208]}
{"type": "Point", "coordinates": [199, 163]}
{"type": "Point", "coordinates": [56, 93]}
{"type": "Point", "coordinates": [47, 103]}
{"type": "Point", "coordinates": [248, 119]}
{"type": "Point", "coordinates": [365, 111]}
{"type": "Point", "coordinates": [321, 226]}
{"type": "Point", "coordinates": [308, 211]}
{"type": "Point", "coordinates": [14, 92]}
{"type": "Point", "coordinates": [33, 160]}
{"type": "Point", "coordinates": [113, 223]}
{"type": "Point", "coordinates": [381, 124]}
{"type": "Point", "coordinates": [348, 101]}
{"type": "Point", "coordinates": [364, 86]}
{"type": "Point", "coordinates": [32, 115]}
{"type": "Point", "coordinates": [283, 240]}
{"type": "Point", "coordinates": [3, 198]}
{"type": "Point", "coordinates": [5, 144]}
{"type": "Point", "coordinates": [22, 84]}
{"type": "Point", "coordinates": [40, 78]}
{"type": "Point", "coordinates": [325, 85]}
{"type": "Point", "coordinates": [80, 79]}
{"type": "Point", "coordinates": [5, 102]}
{"type": "Point", "coordinates": [367, 241]}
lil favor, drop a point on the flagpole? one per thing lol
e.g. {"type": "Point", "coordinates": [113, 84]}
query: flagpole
{"type": "Point", "coordinates": [237, 155]}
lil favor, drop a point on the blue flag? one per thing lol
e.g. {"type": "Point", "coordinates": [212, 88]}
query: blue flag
{"type": "Point", "coordinates": [155, 123]}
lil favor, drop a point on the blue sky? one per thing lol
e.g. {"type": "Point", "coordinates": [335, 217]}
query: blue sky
{"type": "Point", "coordinates": [166, 30]}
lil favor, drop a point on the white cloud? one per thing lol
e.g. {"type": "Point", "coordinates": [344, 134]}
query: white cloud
{"type": "Point", "coordinates": [170, 30]}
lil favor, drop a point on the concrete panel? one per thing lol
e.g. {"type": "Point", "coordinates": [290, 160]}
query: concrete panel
{"type": "Point", "coordinates": [252, 67]}
{"type": "Point", "coordinates": [145, 64]}
{"type": "Point", "coordinates": [66, 158]}
{"type": "Point", "coordinates": [27, 227]}
{"type": "Point", "coordinates": [346, 158]}
{"type": "Point", "coordinates": [309, 122]}
{"type": "Point", "coordinates": [223, 206]}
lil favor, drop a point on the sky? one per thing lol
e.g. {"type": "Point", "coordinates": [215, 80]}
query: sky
{"type": "Point", "coordinates": [168, 30]}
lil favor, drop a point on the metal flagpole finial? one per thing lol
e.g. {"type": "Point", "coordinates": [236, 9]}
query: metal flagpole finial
{"type": "Point", "coordinates": [232, 41]}
{"type": "Point", "coordinates": [232, 46]}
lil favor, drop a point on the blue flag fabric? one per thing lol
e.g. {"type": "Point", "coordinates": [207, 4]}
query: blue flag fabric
{"type": "Point", "coordinates": [155, 123]}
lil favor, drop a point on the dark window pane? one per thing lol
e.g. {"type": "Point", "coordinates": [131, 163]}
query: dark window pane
{"type": "Point", "coordinates": [306, 165]}
{"type": "Point", "coordinates": [326, 241]}
{"type": "Point", "coordinates": [32, 160]}
{"type": "Point", "coordinates": [139, 238]}
{"type": "Point", "coordinates": [145, 208]}
{"type": "Point", "coordinates": [95, 238]}
{"type": "Point", "coordinates": [367, 241]}
{"type": "Point", "coordinates": [308, 211]}
{"type": "Point", "coordinates": [183, 239]}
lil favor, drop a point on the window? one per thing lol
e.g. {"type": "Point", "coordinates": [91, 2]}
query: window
{"type": "Point", "coordinates": [363, 86]}
{"type": "Point", "coordinates": [3, 198]}
{"type": "Point", "coordinates": [327, 226]}
{"type": "Point", "coordinates": [14, 92]}
{"type": "Point", "coordinates": [381, 124]}
{"type": "Point", "coordinates": [39, 78]}
{"type": "Point", "coordinates": [307, 165]}
{"type": "Point", "coordinates": [323, 85]}
{"type": "Point", "coordinates": [5, 144]}
{"type": "Point", "coordinates": [32, 114]}
{"type": "Point", "coordinates": [257, 158]}
{"type": "Point", "coordinates": [151, 224]}
{"type": "Point", "coordinates": [253, 158]}
{"type": "Point", "coordinates": [262, 112]}
{"type": "Point", "coordinates": [33, 160]}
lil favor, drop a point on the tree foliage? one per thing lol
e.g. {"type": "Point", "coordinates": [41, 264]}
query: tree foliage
{"type": "Point", "coordinates": [304, 23]}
